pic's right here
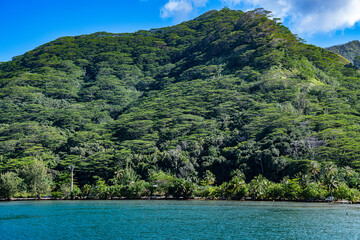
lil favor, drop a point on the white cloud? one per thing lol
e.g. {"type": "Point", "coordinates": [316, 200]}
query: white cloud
{"type": "Point", "coordinates": [324, 16]}
{"type": "Point", "coordinates": [310, 16]}
{"type": "Point", "coordinates": [232, 3]}
{"type": "Point", "coordinates": [176, 8]}
{"type": "Point", "coordinates": [199, 3]}
{"type": "Point", "coordinates": [180, 9]}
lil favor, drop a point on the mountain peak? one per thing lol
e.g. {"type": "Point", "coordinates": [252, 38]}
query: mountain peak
{"type": "Point", "coordinates": [227, 90]}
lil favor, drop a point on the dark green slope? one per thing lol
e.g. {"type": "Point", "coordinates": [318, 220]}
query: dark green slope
{"type": "Point", "coordinates": [348, 50]}
{"type": "Point", "coordinates": [227, 90]}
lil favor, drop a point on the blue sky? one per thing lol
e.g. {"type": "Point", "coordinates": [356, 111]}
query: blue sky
{"type": "Point", "coordinates": [28, 24]}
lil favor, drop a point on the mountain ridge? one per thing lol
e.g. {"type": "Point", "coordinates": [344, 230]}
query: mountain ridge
{"type": "Point", "coordinates": [348, 50]}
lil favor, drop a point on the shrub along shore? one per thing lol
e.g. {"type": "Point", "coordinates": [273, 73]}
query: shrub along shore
{"type": "Point", "coordinates": [324, 182]}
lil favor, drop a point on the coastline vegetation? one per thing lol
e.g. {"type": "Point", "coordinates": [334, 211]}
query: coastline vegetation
{"type": "Point", "coordinates": [318, 183]}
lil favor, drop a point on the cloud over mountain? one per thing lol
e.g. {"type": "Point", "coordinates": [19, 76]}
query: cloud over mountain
{"type": "Point", "coordinates": [305, 16]}
{"type": "Point", "coordinates": [311, 16]}
{"type": "Point", "coordinates": [179, 9]}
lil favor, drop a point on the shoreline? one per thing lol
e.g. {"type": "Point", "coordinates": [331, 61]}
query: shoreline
{"type": "Point", "coordinates": [173, 199]}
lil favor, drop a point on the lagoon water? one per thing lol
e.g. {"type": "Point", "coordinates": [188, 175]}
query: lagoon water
{"type": "Point", "coordinates": [177, 220]}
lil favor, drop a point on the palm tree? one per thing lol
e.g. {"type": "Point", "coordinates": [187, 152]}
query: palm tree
{"type": "Point", "coordinates": [348, 172]}
{"type": "Point", "coordinates": [303, 179]}
{"type": "Point", "coordinates": [119, 175]}
{"type": "Point", "coordinates": [333, 184]}
{"type": "Point", "coordinates": [330, 169]}
{"type": "Point", "coordinates": [331, 176]}
{"type": "Point", "coordinates": [209, 178]}
{"type": "Point", "coordinates": [236, 187]}
{"type": "Point", "coordinates": [258, 187]}
{"type": "Point", "coordinates": [315, 169]}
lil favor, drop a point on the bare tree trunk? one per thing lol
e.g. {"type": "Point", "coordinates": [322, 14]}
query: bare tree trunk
{"type": "Point", "coordinates": [72, 182]}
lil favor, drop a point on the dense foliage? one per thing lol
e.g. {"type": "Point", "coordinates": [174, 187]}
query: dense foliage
{"type": "Point", "coordinates": [226, 91]}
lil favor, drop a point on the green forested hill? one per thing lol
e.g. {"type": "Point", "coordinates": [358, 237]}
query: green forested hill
{"type": "Point", "coordinates": [226, 91]}
{"type": "Point", "coordinates": [348, 50]}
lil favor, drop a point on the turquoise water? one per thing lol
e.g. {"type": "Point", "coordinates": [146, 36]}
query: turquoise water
{"type": "Point", "coordinates": [177, 220]}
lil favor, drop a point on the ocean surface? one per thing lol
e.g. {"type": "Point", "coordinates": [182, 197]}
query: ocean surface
{"type": "Point", "coordinates": [160, 219]}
